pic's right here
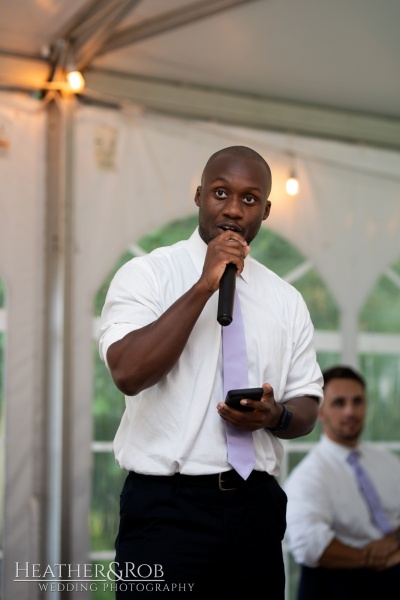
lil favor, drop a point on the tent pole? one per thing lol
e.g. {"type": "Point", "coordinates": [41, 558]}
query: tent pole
{"type": "Point", "coordinates": [57, 375]}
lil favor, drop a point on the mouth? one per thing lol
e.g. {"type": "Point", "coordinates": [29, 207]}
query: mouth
{"type": "Point", "coordinates": [229, 227]}
{"type": "Point", "coordinates": [350, 423]}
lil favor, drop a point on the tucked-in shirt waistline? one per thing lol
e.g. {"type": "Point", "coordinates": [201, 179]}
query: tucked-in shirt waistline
{"type": "Point", "coordinates": [227, 481]}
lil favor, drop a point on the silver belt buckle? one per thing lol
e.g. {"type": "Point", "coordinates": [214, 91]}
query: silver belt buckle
{"type": "Point", "coordinates": [221, 483]}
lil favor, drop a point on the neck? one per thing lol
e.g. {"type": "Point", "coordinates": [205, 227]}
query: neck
{"type": "Point", "coordinates": [349, 443]}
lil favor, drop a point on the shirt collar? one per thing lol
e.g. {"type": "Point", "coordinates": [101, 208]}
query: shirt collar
{"type": "Point", "coordinates": [198, 250]}
{"type": "Point", "coordinates": [340, 451]}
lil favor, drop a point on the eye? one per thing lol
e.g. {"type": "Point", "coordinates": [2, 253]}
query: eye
{"type": "Point", "coordinates": [249, 199]}
{"type": "Point", "coordinates": [220, 193]}
{"type": "Point", "coordinates": [338, 403]}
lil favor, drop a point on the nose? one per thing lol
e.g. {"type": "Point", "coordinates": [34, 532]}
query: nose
{"type": "Point", "coordinates": [233, 208]}
{"type": "Point", "coordinates": [350, 409]}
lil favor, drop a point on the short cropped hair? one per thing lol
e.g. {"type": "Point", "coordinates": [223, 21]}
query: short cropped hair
{"type": "Point", "coordinates": [343, 372]}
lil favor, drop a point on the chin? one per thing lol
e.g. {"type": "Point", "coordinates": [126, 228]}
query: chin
{"type": "Point", "coordinates": [351, 437]}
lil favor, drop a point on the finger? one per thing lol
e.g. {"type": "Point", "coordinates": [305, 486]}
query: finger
{"type": "Point", "coordinates": [238, 418]}
{"type": "Point", "coordinates": [249, 404]}
{"type": "Point", "coordinates": [268, 390]}
{"type": "Point", "coordinates": [233, 236]}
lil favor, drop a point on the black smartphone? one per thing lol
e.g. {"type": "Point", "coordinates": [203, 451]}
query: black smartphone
{"type": "Point", "coordinates": [233, 397]}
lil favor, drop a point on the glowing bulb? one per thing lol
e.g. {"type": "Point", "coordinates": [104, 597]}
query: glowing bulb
{"type": "Point", "coordinates": [76, 81]}
{"type": "Point", "coordinates": [292, 185]}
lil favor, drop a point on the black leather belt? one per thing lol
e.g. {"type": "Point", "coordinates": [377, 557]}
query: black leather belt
{"type": "Point", "coordinates": [228, 481]}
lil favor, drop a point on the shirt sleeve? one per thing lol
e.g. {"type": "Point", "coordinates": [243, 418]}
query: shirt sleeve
{"type": "Point", "coordinates": [309, 516]}
{"type": "Point", "coordinates": [304, 374]}
{"type": "Point", "coordinates": [132, 302]}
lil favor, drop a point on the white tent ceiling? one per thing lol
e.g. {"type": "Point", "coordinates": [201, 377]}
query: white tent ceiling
{"type": "Point", "coordinates": [313, 67]}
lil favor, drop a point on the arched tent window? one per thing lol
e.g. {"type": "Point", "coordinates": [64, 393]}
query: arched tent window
{"type": "Point", "coordinates": [379, 362]}
{"type": "Point", "coordinates": [379, 327]}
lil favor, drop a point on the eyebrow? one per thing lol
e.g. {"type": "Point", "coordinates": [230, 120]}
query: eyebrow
{"type": "Point", "coordinates": [343, 398]}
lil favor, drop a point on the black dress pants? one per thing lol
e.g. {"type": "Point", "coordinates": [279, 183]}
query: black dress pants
{"type": "Point", "coordinates": [349, 584]}
{"type": "Point", "coordinates": [179, 536]}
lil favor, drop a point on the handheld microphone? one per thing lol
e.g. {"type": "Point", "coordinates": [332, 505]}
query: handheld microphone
{"type": "Point", "coordinates": [227, 287]}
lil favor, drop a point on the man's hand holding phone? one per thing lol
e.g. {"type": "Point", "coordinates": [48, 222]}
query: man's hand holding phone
{"type": "Point", "coordinates": [259, 411]}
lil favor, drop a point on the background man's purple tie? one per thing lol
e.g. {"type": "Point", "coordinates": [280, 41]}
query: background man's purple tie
{"type": "Point", "coordinates": [240, 443]}
{"type": "Point", "coordinates": [370, 495]}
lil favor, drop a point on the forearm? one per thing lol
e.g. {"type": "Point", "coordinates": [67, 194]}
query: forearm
{"type": "Point", "coordinates": [304, 411]}
{"type": "Point", "coordinates": [378, 555]}
{"type": "Point", "coordinates": [340, 556]}
{"type": "Point", "coordinates": [143, 357]}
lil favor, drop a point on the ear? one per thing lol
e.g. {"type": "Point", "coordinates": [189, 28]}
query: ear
{"type": "Point", "coordinates": [197, 195]}
{"type": "Point", "coordinates": [267, 210]}
{"type": "Point", "coordinates": [321, 414]}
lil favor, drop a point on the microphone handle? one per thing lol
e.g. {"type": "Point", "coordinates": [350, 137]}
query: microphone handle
{"type": "Point", "coordinates": [226, 298]}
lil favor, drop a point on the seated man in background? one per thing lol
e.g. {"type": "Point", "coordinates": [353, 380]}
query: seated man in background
{"type": "Point", "coordinates": [348, 546]}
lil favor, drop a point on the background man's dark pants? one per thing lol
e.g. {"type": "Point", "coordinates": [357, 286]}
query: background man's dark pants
{"type": "Point", "coordinates": [349, 584]}
{"type": "Point", "coordinates": [220, 541]}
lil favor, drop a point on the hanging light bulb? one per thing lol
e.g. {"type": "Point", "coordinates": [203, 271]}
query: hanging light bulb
{"type": "Point", "coordinates": [75, 80]}
{"type": "Point", "coordinates": [292, 184]}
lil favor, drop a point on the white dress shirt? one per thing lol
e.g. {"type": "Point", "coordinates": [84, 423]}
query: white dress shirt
{"type": "Point", "coordinates": [174, 425]}
{"type": "Point", "coordinates": [324, 500]}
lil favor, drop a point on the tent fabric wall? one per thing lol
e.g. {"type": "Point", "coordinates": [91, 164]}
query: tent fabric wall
{"type": "Point", "coordinates": [135, 171]}
{"type": "Point", "coordinates": [22, 216]}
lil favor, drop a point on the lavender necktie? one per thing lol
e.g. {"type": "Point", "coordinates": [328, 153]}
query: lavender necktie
{"type": "Point", "coordinates": [369, 493]}
{"type": "Point", "coordinates": [240, 443]}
